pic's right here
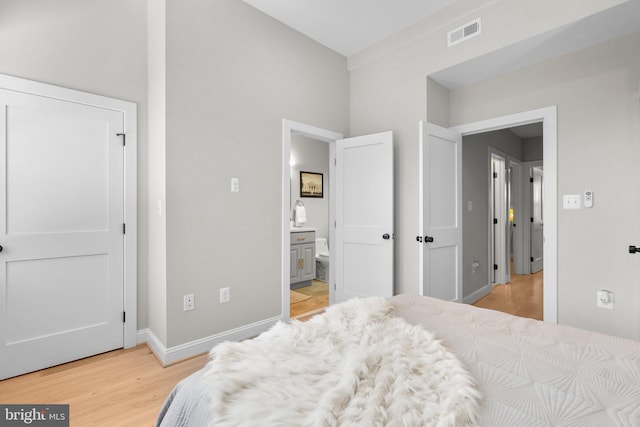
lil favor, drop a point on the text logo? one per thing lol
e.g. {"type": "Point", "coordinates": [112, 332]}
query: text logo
{"type": "Point", "coordinates": [34, 415]}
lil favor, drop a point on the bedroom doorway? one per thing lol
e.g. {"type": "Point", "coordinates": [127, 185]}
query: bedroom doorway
{"type": "Point", "coordinates": [511, 223]}
{"type": "Point", "coordinates": [548, 117]}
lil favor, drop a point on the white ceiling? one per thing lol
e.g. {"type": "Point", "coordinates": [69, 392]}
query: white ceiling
{"type": "Point", "coordinates": [349, 26]}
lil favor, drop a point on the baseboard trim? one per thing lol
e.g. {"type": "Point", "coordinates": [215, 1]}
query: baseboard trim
{"type": "Point", "coordinates": [475, 296]}
{"type": "Point", "coordinates": [168, 356]}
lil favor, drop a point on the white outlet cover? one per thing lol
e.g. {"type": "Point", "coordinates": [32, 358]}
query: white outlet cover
{"type": "Point", "coordinates": [605, 300]}
{"type": "Point", "coordinates": [571, 201]}
{"type": "Point", "coordinates": [235, 185]}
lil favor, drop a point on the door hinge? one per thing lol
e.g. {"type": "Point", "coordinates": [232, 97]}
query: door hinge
{"type": "Point", "coordinates": [124, 138]}
{"type": "Point", "coordinates": [335, 286]}
{"type": "Point", "coordinates": [335, 162]}
{"type": "Point", "coordinates": [531, 259]}
{"type": "Point", "coordinates": [495, 220]}
{"type": "Point", "coordinates": [495, 174]}
{"type": "Point", "coordinates": [124, 228]}
{"type": "Point", "coordinates": [495, 266]}
{"type": "Point", "coordinates": [335, 224]}
{"type": "Point", "coordinates": [531, 219]}
{"type": "Point", "coordinates": [124, 317]}
{"type": "Point", "coordinates": [531, 179]}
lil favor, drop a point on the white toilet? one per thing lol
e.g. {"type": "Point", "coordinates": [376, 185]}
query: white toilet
{"type": "Point", "coordinates": [322, 259]}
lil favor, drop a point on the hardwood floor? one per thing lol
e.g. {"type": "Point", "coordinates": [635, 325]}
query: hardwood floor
{"type": "Point", "coordinates": [319, 292]}
{"type": "Point", "coordinates": [119, 388]}
{"type": "Point", "coordinates": [522, 297]}
{"type": "Point", "coordinates": [128, 387]}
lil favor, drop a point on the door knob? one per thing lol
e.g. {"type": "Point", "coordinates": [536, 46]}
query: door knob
{"type": "Point", "coordinates": [386, 236]}
{"type": "Point", "coordinates": [428, 239]}
{"type": "Point", "coordinates": [1, 248]}
{"type": "Point", "coordinates": [632, 249]}
{"type": "Point", "coordinates": [419, 239]}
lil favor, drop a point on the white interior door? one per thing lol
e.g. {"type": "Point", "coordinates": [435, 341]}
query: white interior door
{"type": "Point", "coordinates": [61, 229]}
{"type": "Point", "coordinates": [441, 214]}
{"type": "Point", "coordinates": [537, 225]}
{"type": "Point", "coordinates": [364, 216]}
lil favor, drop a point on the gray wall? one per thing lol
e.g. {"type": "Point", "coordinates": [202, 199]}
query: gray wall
{"type": "Point", "coordinates": [89, 45]}
{"type": "Point", "coordinates": [232, 75]}
{"type": "Point", "coordinates": [390, 89]}
{"type": "Point", "coordinates": [311, 156]}
{"type": "Point", "coordinates": [595, 91]}
{"type": "Point", "coordinates": [598, 127]}
{"type": "Point", "coordinates": [532, 149]}
{"type": "Point", "coordinates": [475, 189]}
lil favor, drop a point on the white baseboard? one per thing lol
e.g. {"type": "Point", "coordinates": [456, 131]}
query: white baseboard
{"type": "Point", "coordinates": [170, 355]}
{"type": "Point", "coordinates": [475, 296]}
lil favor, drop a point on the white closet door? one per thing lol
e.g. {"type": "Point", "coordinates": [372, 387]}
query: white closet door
{"type": "Point", "coordinates": [61, 229]}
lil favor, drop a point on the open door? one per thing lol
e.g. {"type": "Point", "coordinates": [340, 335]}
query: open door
{"type": "Point", "coordinates": [440, 236]}
{"type": "Point", "coordinates": [364, 216]}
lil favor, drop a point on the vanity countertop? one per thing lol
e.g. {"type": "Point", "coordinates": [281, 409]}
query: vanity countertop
{"type": "Point", "coordinates": [301, 229]}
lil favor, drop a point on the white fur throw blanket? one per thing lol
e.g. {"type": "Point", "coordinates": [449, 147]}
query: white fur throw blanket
{"type": "Point", "coordinates": [355, 365]}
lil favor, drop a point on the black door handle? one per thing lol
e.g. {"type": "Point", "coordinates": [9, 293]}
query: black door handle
{"type": "Point", "coordinates": [428, 239]}
{"type": "Point", "coordinates": [632, 249]}
{"type": "Point", "coordinates": [1, 248]}
{"type": "Point", "coordinates": [419, 239]}
{"type": "Point", "coordinates": [386, 236]}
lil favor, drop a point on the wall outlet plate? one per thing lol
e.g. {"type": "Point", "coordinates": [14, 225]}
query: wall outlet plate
{"type": "Point", "coordinates": [571, 201]}
{"type": "Point", "coordinates": [605, 300]}
{"type": "Point", "coordinates": [189, 302]}
{"type": "Point", "coordinates": [225, 295]}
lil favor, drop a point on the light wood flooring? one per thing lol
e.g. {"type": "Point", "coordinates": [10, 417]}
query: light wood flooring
{"type": "Point", "coordinates": [128, 387]}
{"type": "Point", "coordinates": [522, 297]}
{"type": "Point", "coordinates": [119, 388]}
{"type": "Point", "coordinates": [319, 292]}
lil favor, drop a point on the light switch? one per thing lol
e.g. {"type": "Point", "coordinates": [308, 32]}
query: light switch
{"type": "Point", "coordinates": [235, 185]}
{"type": "Point", "coordinates": [571, 201]}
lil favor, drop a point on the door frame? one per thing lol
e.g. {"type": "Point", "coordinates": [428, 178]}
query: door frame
{"type": "Point", "coordinates": [500, 245]}
{"type": "Point", "coordinates": [515, 200]}
{"type": "Point", "coordinates": [290, 127]}
{"type": "Point", "coordinates": [129, 110]}
{"type": "Point", "coordinates": [548, 117]}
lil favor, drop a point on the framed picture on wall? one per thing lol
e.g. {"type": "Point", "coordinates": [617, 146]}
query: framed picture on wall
{"type": "Point", "coordinates": [311, 184]}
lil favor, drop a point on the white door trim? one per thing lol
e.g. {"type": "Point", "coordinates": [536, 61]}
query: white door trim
{"type": "Point", "coordinates": [129, 110]}
{"type": "Point", "coordinates": [289, 127]}
{"type": "Point", "coordinates": [548, 116]}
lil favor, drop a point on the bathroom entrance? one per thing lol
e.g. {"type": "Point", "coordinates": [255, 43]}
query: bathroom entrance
{"type": "Point", "coordinates": [359, 234]}
{"type": "Point", "coordinates": [309, 161]}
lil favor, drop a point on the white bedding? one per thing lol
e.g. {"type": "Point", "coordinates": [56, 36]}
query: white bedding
{"type": "Point", "coordinates": [529, 373]}
{"type": "Point", "coordinates": [533, 373]}
{"type": "Point", "coordinates": [354, 365]}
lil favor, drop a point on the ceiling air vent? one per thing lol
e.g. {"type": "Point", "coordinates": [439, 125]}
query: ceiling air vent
{"type": "Point", "coordinates": [463, 33]}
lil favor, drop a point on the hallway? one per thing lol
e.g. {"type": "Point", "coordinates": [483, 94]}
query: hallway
{"type": "Point", "coordinates": [522, 297]}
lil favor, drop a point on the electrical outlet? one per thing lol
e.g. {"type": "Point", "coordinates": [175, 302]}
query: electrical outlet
{"type": "Point", "coordinates": [225, 295]}
{"type": "Point", "coordinates": [189, 302]}
{"type": "Point", "coordinates": [605, 299]}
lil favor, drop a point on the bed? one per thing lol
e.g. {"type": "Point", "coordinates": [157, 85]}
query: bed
{"type": "Point", "coordinates": [521, 372]}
